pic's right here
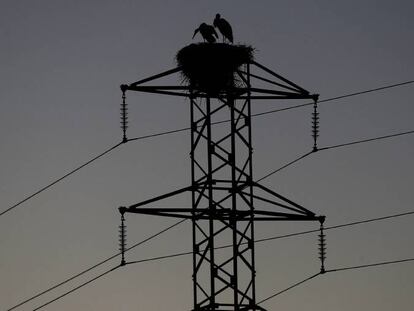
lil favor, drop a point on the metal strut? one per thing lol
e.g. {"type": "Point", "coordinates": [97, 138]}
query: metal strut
{"type": "Point", "coordinates": [315, 125]}
{"type": "Point", "coordinates": [122, 236]}
{"type": "Point", "coordinates": [322, 244]}
{"type": "Point", "coordinates": [124, 113]}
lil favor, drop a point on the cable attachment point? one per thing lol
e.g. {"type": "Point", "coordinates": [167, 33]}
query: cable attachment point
{"type": "Point", "coordinates": [122, 236]}
{"type": "Point", "coordinates": [315, 125]}
{"type": "Point", "coordinates": [124, 113]}
{"type": "Point", "coordinates": [322, 244]}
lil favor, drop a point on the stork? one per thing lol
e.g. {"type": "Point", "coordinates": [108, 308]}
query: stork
{"type": "Point", "coordinates": [207, 32]}
{"type": "Point", "coordinates": [224, 27]}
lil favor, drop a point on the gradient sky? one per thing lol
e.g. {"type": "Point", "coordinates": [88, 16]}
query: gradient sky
{"type": "Point", "coordinates": [61, 66]}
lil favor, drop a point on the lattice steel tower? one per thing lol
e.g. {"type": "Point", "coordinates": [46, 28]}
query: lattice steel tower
{"type": "Point", "coordinates": [226, 201]}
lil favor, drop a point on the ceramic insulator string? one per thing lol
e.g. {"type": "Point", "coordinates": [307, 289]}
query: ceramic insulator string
{"type": "Point", "coordinates": [124, 115]}
{"type": "Point", "coordinates": [322, 246]}
{"type": "Point", "coordinates": [315, 125]}
{"type": "Point", "coordinates": [122, 239]}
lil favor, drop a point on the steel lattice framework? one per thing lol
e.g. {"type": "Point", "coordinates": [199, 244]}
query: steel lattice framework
{"type": "Point", "coordinates": [226, 201]}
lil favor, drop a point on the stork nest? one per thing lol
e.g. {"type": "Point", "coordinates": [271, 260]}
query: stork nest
{"type": "Point", "coordinates": [211, 67]}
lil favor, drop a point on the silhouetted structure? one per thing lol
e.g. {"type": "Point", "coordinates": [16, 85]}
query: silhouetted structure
{"type": "Point", "coordinates": [208, 33]}
{"type": "Point", "coordinates": [224, 27]}
{"type": "Point", "coordinates": [226, 201]}
{"type": "Point", "coordinates": [212, 67]}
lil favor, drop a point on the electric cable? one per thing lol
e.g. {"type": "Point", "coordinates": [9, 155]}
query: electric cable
{"type": "Point", "coordinates": [266, 176]}
{"type": "Point", "coordinates": [366, 140]}
{"type": "Point", "coordinates": [262, 178]}
{"type": "Point", "coordinates": [383, 263]}
{"type": "Point", "coordinates": [334, 147]}
{"type": "Point", "coordinates": [381, 88]}
{"type": "Point", "coordinates": [335, 98]}
{"type": "Point", "coordinates": [289, 288]}
{"type": "Point", "coordinates": [283, 109]}
{"type": "Point", "coordinates": [278, 237]}
{"type": "Point", "coordinates": [60, 179]}
{"type": "Point", "coordinates": [76, 288]}
{"type": "Point", "coordinates": [188, 128]}
{"type": "Point", "coordinates": [158, 134]}
{"type": "Point", "coordinates": [360, 222]}
{"type": "Point", "coordinates": [96, 265]}
{"type": "Point", "coordinates": [165, 257]}
{"type": "Point", "coordinates": [185, 129]}
{"type": "Point", "coordinates": [158, 258]}
{"type": "Point", "coordinates": [285, 166]}
{"type": "Point", "coordinates": [261, 301]}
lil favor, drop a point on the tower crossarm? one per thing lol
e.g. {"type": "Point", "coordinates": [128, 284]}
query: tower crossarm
{"type": "Point", "coordinates": [159, 198]}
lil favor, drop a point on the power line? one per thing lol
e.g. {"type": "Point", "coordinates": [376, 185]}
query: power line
{"type": "Point", "coordinates": [76, 288]}
{"type": "Point", "coordinates": [334, 147]}
{"type": "Point", "coordinates": [259, 302]}
{"type": "Point", "coordinates": [187, 128]}
{"type": "Point", "coordinates": [262, 178]}
{"type": "Point", "coordinates": [221, 247]}
{"type": "Point", "coordinates": [165, 257]}
{"type": "Point", "coordinates": [96, 265]}
{"type": "Point", "coordinates": [159, 134]}
{"type": "Point", "coordinates": [370, 220]}
{"type": "Point", "coordinates": [300, 106]}
{"type": "Point", "coordinates": [283, 109]}
{"type": "Point", "coordinates": [158, 258]}
{"type": "Point", "coordinates": [381, 88]}
{"type": "Point", "coordinates": [285, 166]}
{"type": "Point", "coordinates": [278, 237]}
{"type": "Point", "coordinates": [366, 140]}
{"type": "Point", "coordinates": [377, 264]}
{"type": "Point", "coordinates": [383, 263]}
{"type": "Point", "coordinates": [289, 288]}
{"type": "Point", "coordinates": [335, 98]}
{"type": "Point", "coordinates": [314, 151]}
{"type": "Point", "coordinates": [360, 222]}
{"type": "Point", "coordinates": [107, 259]}
{"type": "Point", "coordinates": [60, 179]}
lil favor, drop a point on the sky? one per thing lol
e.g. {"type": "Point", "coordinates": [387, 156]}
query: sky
{"type": "Point", "coordinates": [61, 66]}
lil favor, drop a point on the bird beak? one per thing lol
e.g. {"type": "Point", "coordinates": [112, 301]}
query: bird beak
{"type": "Point", "coordinates": [195, 32]}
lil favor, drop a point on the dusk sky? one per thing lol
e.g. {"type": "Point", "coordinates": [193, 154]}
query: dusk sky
{"type": "Point", "coordinates": [62, 63]}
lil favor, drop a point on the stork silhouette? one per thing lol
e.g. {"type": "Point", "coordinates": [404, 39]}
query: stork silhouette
{"type": "Point", "coordinates": [208, 33]}
{"type": "Point", "coordinates": [224, 27]}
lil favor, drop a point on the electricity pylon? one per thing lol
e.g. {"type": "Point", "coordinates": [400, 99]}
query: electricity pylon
{"type": "Point", "coordinates": [226, 202]}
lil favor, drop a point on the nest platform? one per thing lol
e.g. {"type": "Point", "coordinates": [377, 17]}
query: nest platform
{"type": "Point", "coordinates": [211, 67]}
